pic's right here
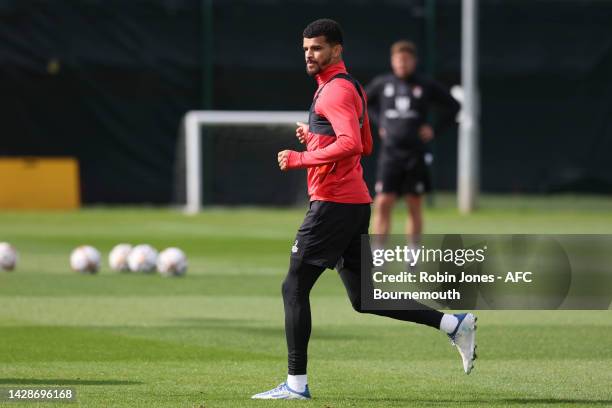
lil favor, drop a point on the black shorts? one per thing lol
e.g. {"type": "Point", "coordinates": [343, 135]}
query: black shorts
{"type": "Point", "coordinates": [406, 175]}
{"type": "Point", "coordinates": [331, 233]}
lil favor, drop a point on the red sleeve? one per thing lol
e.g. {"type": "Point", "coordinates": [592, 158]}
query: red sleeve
{"type": "Point", "coordinates": [337, 104]}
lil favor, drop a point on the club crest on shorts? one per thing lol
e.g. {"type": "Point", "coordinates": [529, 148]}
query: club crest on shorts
{"type": "Point", "coordinates": [294, 248]}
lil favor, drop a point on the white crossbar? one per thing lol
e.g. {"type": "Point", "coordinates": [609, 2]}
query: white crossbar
{"type": "Point", "coordinates": [194, 120]}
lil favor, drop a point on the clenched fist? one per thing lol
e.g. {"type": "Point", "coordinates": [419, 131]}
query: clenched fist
{"type": "Point", "coordinates": [283, 159]}
{"type": "Point", "coordinates": [426, 133]}
{"type": "Point", "coordinates": [301, 131]}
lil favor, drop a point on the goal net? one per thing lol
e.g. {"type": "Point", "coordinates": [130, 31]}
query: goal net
{"type": "Point", "coordinates": [230, 158]}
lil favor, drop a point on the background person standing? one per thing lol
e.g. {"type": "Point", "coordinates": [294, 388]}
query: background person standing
{"type": "Point", "coordinates": [399, 104]}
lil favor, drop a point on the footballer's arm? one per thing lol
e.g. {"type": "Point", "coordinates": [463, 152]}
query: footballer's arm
{"type": "Point", "coordinates": [340, 110]}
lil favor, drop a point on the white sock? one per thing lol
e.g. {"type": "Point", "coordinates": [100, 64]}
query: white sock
{"type": "Point", "coordinates": [297, 382]}
{"type": "Point", "coordinates": [449, 323]}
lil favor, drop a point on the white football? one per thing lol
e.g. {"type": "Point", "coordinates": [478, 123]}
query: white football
{"type": "Point", "coordinates": [8, 256]}
{"type": "Point", "coordinates": [172, 262]}
{"type": "Point", "coordinates": [118, 257]}
{"type": "Point", "coordinates": [142, 258]}
{"type": "Point", "coordinates": [85, 259]}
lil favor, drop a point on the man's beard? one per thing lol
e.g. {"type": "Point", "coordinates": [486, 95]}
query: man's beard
{"type": "Point", "coordinates": [317, 67]}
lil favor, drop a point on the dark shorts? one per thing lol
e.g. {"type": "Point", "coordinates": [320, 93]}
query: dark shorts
{"type": "Point", "coordinates": [331, 233]}
{"type": "Point", "coordinates": [407, 175]}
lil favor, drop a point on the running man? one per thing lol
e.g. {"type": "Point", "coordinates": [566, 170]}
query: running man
{"type": "Point", "coordinates": [400, 103]}
{"type": "Point", "coordinates": [336, 137]}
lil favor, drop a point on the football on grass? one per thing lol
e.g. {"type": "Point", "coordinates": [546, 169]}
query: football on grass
{"type": "Point", "coordinates": [172, 262]}
{"type": "Point", "coordinates": [85, 259]}
{"type": "Point", "coordinates": [8, 256]}
{"type": "Point", "coordinates": [118, 257]}
{"type": "Point", "coordinates": [142, 258]}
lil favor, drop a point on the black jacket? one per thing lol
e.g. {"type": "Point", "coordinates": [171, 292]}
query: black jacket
{"type": "Point", "coordinates": [401, 106]}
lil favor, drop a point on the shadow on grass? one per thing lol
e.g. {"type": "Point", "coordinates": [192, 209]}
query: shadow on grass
{"type": "Point", "coordinates": [64, 381]}
{"type": "Point", "coordinates": [497, 402]}
{"type": "Point", "coordinates": [247, 327]}
{"type": "Point", "coordinates": [536, 401]}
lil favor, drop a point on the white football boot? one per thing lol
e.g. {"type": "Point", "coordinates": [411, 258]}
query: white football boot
{"type": "Point", "coordinates": [283, 392]}
{"type": "Point", "coordinates": [464, 338]}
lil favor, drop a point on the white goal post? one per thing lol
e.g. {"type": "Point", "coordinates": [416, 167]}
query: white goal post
{"type": "Point", "coordinates": [193, 122]}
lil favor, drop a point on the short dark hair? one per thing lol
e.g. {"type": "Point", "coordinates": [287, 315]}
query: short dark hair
{"type": "Point", "coordinates": [324, 27]}
{"type": "Point", "coordinates": [404, 46]}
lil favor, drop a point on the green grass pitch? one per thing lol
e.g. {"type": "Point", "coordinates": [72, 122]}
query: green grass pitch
{"type": "Point", "coordinates": [216, 336]}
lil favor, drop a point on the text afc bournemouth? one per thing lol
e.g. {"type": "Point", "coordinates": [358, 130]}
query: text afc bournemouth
{"type": "Point", "coordinates": [426, 277]}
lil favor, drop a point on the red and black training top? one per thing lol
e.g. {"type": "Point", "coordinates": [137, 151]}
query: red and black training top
{"type": "Point", "coordinates": [339, 134]}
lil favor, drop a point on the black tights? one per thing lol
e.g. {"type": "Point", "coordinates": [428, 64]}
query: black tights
{"type": "Point", "coordinates": [296, 293]}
